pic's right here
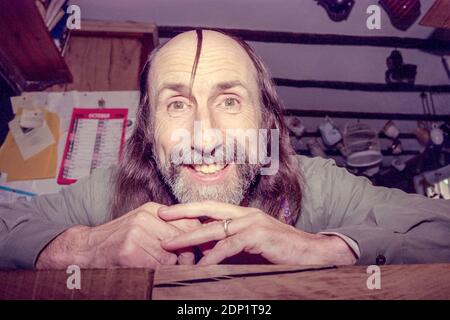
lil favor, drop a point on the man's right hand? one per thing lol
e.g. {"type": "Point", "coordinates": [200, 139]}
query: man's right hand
{"type": "Point", "coordinates": [132, 240]}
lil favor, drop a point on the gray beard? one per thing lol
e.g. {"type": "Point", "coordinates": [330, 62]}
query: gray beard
{"type": "Point", "coordinates": [233, 190]}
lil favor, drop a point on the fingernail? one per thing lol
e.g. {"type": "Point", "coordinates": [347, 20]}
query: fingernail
{"type": "Point", "coordinates": [203, 262]}
{"type": "Point", "coordinates": [163, 210]}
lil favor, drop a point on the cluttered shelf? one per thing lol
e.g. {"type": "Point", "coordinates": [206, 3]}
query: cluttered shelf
{"type": "Point", "coordinates": [29, 57]}
{"type": "Point", "coordinates": [269, 282]}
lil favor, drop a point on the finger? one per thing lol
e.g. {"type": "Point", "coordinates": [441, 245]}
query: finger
{"type": "Point", "coordinates": [186, 257]}
{"type": "Point", "coordinates": [145, 253]}
{"type": "Point", "coordinates": [186, 224]}
{"type": "Point", "coordinates": [224, 249]}
{"type": "Point", "coordinates": [162, 230]}
{"type": "Point", "coordinates": [151, 207]}
{"type": "Point", "coordinates": [206, 247]}
{"type": "Point", "coordinates": [211, 232]}
{"type": "Point", "coordinates": [159, 228]}
{"type": "Point", "coordinates": [159, 254]}
{"type": "Point", "coordinates": [212, 209]}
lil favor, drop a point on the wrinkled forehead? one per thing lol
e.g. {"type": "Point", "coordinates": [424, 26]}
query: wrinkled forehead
{"type": "Point", "coordinates": [221, 59]}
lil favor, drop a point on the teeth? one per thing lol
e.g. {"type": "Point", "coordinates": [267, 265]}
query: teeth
{"type": "Point", "coordinates": [208, 168]}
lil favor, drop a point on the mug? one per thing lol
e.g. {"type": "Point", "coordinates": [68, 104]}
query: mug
{"type": "Point", "coordinates": [295, 125]}
{"type": "Point", "coordinates": [422, 134]}
{"type": "Point", "coordinates": [396, 147]}
{"type": "Point", "coordinates": [390, 130]}
{"type": "Point", "coordinates": [398, 164]}
{"type": "Point", "coordinates": [330, 134]}
{"type": "Point", "coordinates": [315, 148]}
{"type": "Point", "coordinates": [436, 135]}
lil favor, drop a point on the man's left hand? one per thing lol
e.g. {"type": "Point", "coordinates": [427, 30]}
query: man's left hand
{"type": "Point", "coordinates": [252, 231]}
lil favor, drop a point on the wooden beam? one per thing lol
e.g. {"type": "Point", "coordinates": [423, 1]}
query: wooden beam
{"type": "Point", "coordinates": [438, 16]}
{"type": "Point", "coordinates": [361, 86]}
{"type": "Point", "coordinates": [366, 115]}
{"type": "Point", "coordinates": [336, 153]}
{"type": "Point", "coordinates": [381, 135]}
{"type": "Point", "coordinates": [318, 39]}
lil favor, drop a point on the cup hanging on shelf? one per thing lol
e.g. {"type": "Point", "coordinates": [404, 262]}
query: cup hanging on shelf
{"type": "Point", "coordinates": [396, 147]}
{"type": "Point", "coordinates": [316, 148]}
{"type": "Point", "coordinates": [398, 164]}
{"type": "Point", "coordinates": [391, 130]}
{"type": "Point", "coordinates": [330, 133]}
{"type": "Point", "coordinates": [422, 133]}
{"type": "Point", "coordinates": [295, 125]}
{"type": "Point", "coordinates": [436, 135]}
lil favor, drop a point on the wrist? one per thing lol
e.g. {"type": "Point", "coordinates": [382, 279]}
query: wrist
{"type": "Point", "coordinates": [335, 250]}
{"type": "Point", "coordinates": [64, 250]}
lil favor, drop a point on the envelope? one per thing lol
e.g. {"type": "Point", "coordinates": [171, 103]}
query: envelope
{"type": "Point", "coordinates": [42, 165]}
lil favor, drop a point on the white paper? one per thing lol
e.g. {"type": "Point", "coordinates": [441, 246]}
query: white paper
{"type": "Point", "coordinates": [31, 142]}
{"type": "Point", "coordinates": [31, 118]}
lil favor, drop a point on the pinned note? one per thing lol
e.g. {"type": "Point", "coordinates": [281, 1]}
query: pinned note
{"type": "Point", "coordinates": [31, 142]}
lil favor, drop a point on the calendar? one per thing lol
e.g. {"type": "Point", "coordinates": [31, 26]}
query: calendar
{"type": "Point", "coordinates": [95, 140]}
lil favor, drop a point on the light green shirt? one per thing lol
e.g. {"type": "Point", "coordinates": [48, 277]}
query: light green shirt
{"type": "Point", "coordinates": [385, 224]}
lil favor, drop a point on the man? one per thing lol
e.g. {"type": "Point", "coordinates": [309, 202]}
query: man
{"type": "Point", "coordinates": [154, 209]}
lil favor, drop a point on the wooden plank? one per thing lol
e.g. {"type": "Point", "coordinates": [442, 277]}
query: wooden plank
{"type": "Point", "coordinates": [361, 86]}
{"type": "Point", "coordinates": [28, 56]}
{"type": "Point", "coordinates": [118, 28]}
{"type": "Point", "coordinates": [430, 281]}
{"type": "Point", "coordinates": [318, 39]}
{"type": "Point", "coordinates": [438, 16]}
{"type": "Point", "coordinates": [108, 56]}
{"type": "Point", "coordinates": [314, 113]}
{"type": "Point", "coordinates": [110, 284]}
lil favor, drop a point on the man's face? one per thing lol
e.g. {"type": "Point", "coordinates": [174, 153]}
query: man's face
{"type": "Point", "coordinates": [224, 96]}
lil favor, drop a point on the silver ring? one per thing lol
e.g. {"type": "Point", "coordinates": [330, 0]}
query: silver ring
{"type": "Point", "coordinates": [226, 222]}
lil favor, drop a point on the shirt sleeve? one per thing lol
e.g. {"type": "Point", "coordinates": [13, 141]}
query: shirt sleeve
{"type": "Point", "coordinates": [350, 242]}
{"type": "Point", "coordinates": [26, 227]}
{"type": "Point", "coordinates": [388, 225]}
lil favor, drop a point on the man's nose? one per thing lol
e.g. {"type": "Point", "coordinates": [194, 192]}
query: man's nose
{"type": "Point", "coordinates": [206, 133]}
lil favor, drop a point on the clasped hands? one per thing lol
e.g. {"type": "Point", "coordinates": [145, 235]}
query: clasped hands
{"type": "Point", "coordinates": [233, 229]}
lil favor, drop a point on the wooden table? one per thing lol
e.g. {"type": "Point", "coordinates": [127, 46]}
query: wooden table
{"type": "Point", "coordinates": [430, 281]}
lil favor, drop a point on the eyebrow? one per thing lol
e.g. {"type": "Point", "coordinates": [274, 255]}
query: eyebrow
{"type": "Point", "coordinates": [219, 87]}
{"type": "Point", "coordinates": [227, 85]}
{"type": "Point", "coordinates": [179, 87]}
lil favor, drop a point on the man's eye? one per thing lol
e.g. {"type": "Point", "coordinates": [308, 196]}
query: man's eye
{"type": "Point", "coordinates": [231, 104]}
{"type": "Point", "coordinates": [177, 106]}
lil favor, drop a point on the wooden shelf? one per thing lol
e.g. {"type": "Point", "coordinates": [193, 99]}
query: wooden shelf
{"type": "Point", "coordinates": [108, 55]}
{"type": "Point", "coordinates": [29, 59]}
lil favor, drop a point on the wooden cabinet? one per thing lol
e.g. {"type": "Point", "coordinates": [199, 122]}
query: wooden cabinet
{"type": "Point", "coordinates": [29, 59]}
{"type": "Point", "coordinates": [108, 56]}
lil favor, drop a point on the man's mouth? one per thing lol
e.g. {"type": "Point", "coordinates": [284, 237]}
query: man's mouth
{"type": "Point", "coordinates": [208, 172]}
{"type": "Point", "coordinates": [208, 168]}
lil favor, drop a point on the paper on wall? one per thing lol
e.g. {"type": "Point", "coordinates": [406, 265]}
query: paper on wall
{"type": "Point", "coordinates": [31, 142]}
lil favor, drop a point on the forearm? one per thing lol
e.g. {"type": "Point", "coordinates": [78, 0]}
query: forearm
{"type": "Point", "coordinates": [66, 249]}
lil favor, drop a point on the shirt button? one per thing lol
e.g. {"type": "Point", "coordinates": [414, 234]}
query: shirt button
{"type": "Point", "coordinates": [381, 260]}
